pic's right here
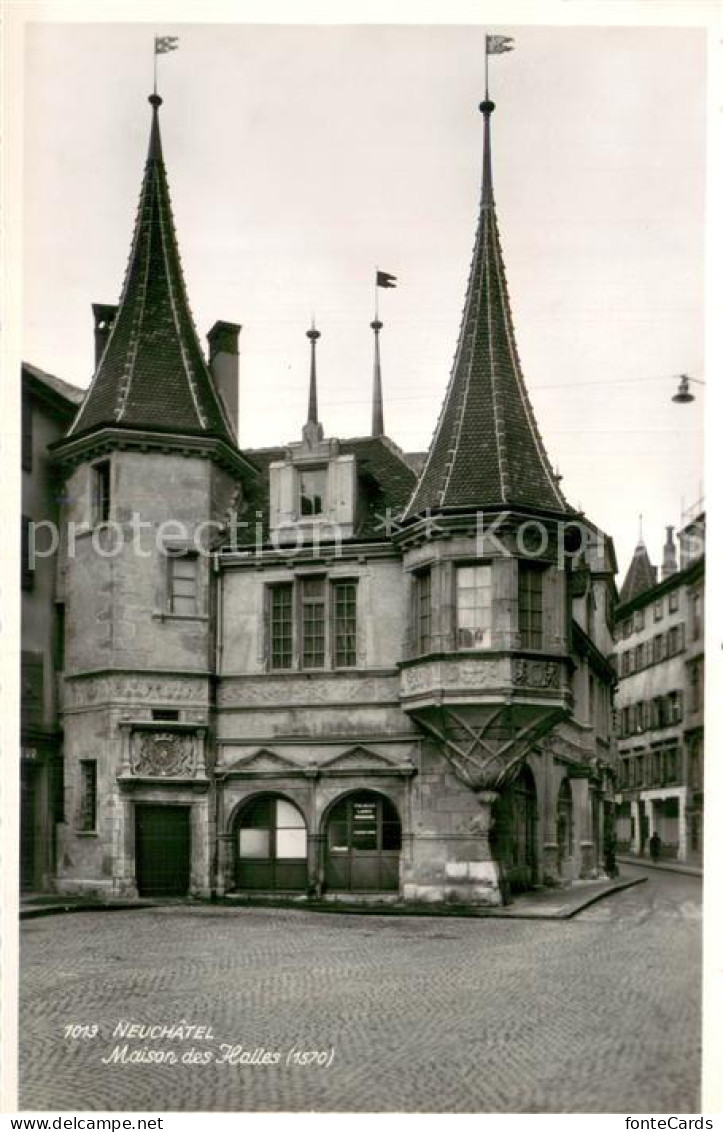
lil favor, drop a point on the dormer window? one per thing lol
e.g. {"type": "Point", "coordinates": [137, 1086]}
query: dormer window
{"type": "Point", "coordinates": [312, 491]}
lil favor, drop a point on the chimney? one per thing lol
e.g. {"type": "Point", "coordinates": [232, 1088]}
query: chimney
{"type": "Point", "coordinates": [103, 319]}
{"type": "Point", "coordinates": [670, 564]}
{"type": "Point", "coordinates": [223, 363]}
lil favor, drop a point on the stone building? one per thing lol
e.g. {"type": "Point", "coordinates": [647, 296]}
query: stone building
{"type": "Point", "coordinates": [48, 408]}
{"type": "Point", "coordinates": [660, 658]}
{"type": "Point", "coordinates": [323, 668]}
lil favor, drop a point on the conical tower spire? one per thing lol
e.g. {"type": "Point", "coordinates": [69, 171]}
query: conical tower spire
{"type": "Point", "coordinates": [487, 450]}
{"type": "Point", "coordinates": [152, 373]}
{"type": "Point", "coordinates": [377, 403]}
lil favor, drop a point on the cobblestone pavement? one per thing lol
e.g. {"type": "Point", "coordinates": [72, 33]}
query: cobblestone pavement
{"type": "Point", "coordinates": [596, 1014]}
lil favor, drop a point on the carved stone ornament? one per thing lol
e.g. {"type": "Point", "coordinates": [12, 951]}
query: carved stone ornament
{"type": "Point", "coordinates": [272, 692]}
{"type": "Point", "coordinates": [159, 754]}
{"type": "Point", "coordinates": [536, 674]}
{"type": "Point", "coordinates": [135, 689]}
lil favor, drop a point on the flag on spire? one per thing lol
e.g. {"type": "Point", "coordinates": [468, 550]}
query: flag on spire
{"type": "Point", "coordinates": [498, 44]}
{"type": "Point", "coordinates": [384, 279]}
{"type": "Point", "coordinates": [166, 43]}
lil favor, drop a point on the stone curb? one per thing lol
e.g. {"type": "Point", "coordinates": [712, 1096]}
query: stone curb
{"type": "Point", "coordinates": [409, 910]}
{"type": "Point", "coordinates": [34, 912]}
{"type": "Point", "coordinates": [666, 867]}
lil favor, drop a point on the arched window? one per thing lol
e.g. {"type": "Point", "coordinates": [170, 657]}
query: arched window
{"type": "Point", "coordinates": [271, 846]}
{"type": "Point", "coordinates": [363, 842]}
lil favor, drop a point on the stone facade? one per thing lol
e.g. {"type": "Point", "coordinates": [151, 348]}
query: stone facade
{"type": "Point", "coordinates": [660, 706]}
{"type": "Point", "coordinates": [48, 407]}
{"type": "Point", "coordinates": [369, 694]}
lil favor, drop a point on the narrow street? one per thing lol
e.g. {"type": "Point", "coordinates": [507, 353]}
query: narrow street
{"type": "Point", "coordinates": [600, 1013]}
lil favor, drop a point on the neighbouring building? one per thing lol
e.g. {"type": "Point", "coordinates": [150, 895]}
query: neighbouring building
{"type": "Point", "coordinates": [370, 675]}
{"type": "Point", "coordinates": [48, 408]}
{"type": "Point", "coordinates": [659, 705]}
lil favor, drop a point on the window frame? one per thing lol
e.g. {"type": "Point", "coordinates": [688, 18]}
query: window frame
{"type": "Point", "coordinates": [422, 610]}
{"type": "Point", "coordinates": [485, 607]}
{"type": "Point", "coordinates": [531, 637]}
{"type": "Point", "coordinates": [336, 587]}
{"type": "Point", "coordinates": [176, 555]}
{"type": "Point", "coordinates": [286, 612]}
{"type": "Point", "coordinates": [287, 625]}
{"type": "Point", "coordinates": [313, 602]}
{"type": "Point", "coordinates": [302, 471]}
{"type": "Point", "coordinates": [100, 492]}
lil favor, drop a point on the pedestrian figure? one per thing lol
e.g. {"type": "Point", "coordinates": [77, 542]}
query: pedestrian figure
{"type": "Point", "coordinates": [655, 844]}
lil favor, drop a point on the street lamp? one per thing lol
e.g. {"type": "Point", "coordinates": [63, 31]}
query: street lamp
{"type": "Point", "coordinates": [684, 395]}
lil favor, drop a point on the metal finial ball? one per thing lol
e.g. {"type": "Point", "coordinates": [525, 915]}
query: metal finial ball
{"type": "Point", "coordinates": [155, 99]}
{"type": "Point", "coordinates": [487, 106]}
{"type": "Point", "coordinates": [313, 334]}
{"type": "Point", "coordinates": [376, 325]}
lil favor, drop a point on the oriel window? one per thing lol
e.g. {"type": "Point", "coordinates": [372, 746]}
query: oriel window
{"type": "Point", "coordinates": [474, 607]}
{"type": "Point", "coordinates": [529, 586]}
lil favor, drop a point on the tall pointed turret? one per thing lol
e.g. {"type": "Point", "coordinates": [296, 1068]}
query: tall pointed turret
{"type": "Point", "coordinates": [151, 373]}
{"type": "Point", "coordinates": [487, 450]}
{"type": "Point", "coordinates": [641, 575]}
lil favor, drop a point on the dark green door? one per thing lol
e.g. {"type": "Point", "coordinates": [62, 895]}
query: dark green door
{"type": "Point", "coordinates": [363, 843]}
{"type": "Point", "coordinates": [163, 850]}
{"type": "Point", "coordinates": [271, 847]}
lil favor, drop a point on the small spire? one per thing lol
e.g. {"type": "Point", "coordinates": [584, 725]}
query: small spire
{"type": "Point", "coordinates": [313, 415]}
{"type": "Point", "coordinates": [312, 432]}
{"type": "Point", "coordinates": [155, 152]}
{"type": "Point", "coordinates": [487, 109]}
{"type": "Point", "coordinates": [377, 404]}
{"type": "Point", "coordinates": [641, 541]}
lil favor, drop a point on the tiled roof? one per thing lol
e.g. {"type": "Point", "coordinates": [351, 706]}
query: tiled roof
{"type": "Point", "coordinates": [152, 373]}
{"type": "Point", "coordinates": [487, 449]}
{"type": "Point", "coordinates": [641, 576]}
{"type": "Point", "coordinates": [384, 478]}
{"type": "Point", "coordinates": [64, 389]}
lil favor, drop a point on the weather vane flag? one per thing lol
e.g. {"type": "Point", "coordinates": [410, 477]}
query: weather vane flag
{"type": "Point", "coordinates": [162, 45]}
{"type": "Point", "coordinates": [496, 45]}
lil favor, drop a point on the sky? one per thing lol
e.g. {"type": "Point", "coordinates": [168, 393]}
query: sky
{"type": "Point", "coordinates": [300, 158]}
